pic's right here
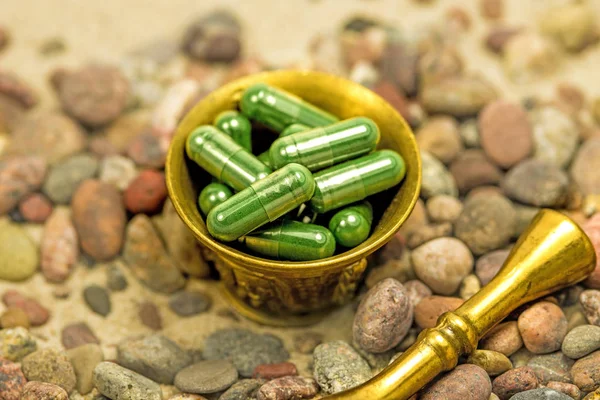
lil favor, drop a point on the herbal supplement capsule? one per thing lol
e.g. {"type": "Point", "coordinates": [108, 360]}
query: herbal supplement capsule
{"type": "Point", "coordinates": [352, 225]}
{"type": "Point", "coordinates": [213, 194]}
{"type": "Point", "coordinates": [290, 130]}
{"type": "Point", "coordinates": [357, 179]}
{"type": "Point", "coordinates": [237, 126]}
{"type": "Point", "coordinates": [277, 108]}
{"type": "Point", "coordinates": [263, 201]}
{"type": "Point", "coordinates": [223, 158]}
{"type": "Point", "coordinates": [323, 147]}
{"type": "Point", "coordinates": [292, 240]}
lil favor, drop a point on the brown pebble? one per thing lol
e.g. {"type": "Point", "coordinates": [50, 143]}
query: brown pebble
{"type": "Point", "coordinates": [460, 17]}
{"type": "Point", "coordinates": [567, 388]}
{"type": "Point", "coordinates": [417, 291]}
{"type": "Point", "coordinates": [146, 151]}
{"type": "Point", "coordinates": [393, 96]}
{"type": "Point", "coordinates": [150, 315]}
{"type": "Point", "coordinates": [497, 38]}
{"type": "Point", "coordinates": [472, 169]}
{"type": "Point", "coordinates": [488, 265]}
{"type": "Point", "coordinates": [99, 218]}
{"type": "Point", "coordinates": [585, 166]}
{"type": "Point", "coordinates": [288, 388]}
{"type": "Point", "coordinates": [571, 96]}
{"type": "Point", "coordinates": [37, 314]}
{"type": "Point", "coordinates": [306, 342]}
{"type": "Point", "coordinates": [514, 381]}
{"type": "Point", "coordinates": [439, 136]}
{"type": "Point", "coordinates": [35, 208]}
{"type": "Point", "coordinates": [14, 317]}
{"type": "Point", "coordinates": [43, 391]}
{"type": "Point", "coordinates": [504, 338]}
{"type": "Point", "coordinates": [492, 362]}
{"type": "Point", "coordinates": [19, 176]}
{"type": "Point", "coordinates": [146, 193]}
{"type": "Point", "coordinates": [78, 334]}
{"type": "Point", "coordinates": [4, 38]}
{"type": "Point", "coordinates": [430, 308]}
{"type": "Point", "coordinates": [443, 208]}
{"type": "Point", "coordinates": [492, 9]}
{"type": "Point", "coordinates": [543, 327]}
{"type": "Point", "coordinates": [13, 87]}
{"type": "Point", "coordinates": [272, 371]}
{"type": "Point", "coordinates": [12, 380]}
{"type": "Point", "coordinates": [426, 233]}
{"type": "Point", "coordinates": [465, 382]}
{"type": "Point", "coordinates": [59, 248]}
{"type": "Point", "coordinates": [590, 301]}
{"type": "Point", "coordinates": [586, 372]}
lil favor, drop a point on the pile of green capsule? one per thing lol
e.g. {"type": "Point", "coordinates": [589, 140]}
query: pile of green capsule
{"type": "Point", "coordinates": [317, 166]}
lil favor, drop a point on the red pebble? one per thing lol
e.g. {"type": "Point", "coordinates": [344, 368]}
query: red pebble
{"type": "Point", "coordinates": [12, 380]}
{"type": "Point", "coordinates": [38, 315]}
{"type": "Point", "coordinates": [146, 193]}
{"type": "Point", "coordinates": [272, 371]}
{"type": "Point", "coordinates": [35, 208]}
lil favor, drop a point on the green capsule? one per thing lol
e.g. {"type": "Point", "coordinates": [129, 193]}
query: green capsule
{"type": "Point", "coordinates": [237, 126]}
{"type": "Point", "coordinates": [292, 240]}
{"type": "Point", "coordinates": [357, 179]}
{"type": "Point", "coordinates": [262, 202]}
{"type": "Point", "coordinates": [277, 108]}
{"type": "Point", "coordinates": [212, 195]}
{"type": "Point", "coordinates": [352, 225]}
{"type": "Point", "coordinates": [223, 158]}
{"type": "Point", "coordinates": [323, 147]}
{"type": "Point", "coordinates": [265, 157]}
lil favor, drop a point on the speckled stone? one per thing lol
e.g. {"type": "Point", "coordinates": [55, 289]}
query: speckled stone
{"type": "Point", "coordinates": [536, 183]}
{"type": "Point", "coordinates": [590, 301]}
{"type": "Point", "coordinates": [206, 377]}
{"type": "Point", "coordinates": [566, 388]}
{"type": "Point", "coordinates": [16, 343]}
{"type": "Point", "coordinates": [116, 382]}
{"type": "Point", "coordinates": [51, 366]}
{"type": "Point", "coordinates": [43, 391]}
{"type": "Point", "coordinates": [504, 338]}
{"type": "Point", "coordinates": [586, 372]}
{"type": "Point", "coordinates": [541, 394]}
{"type": "Point", "coordinates": [59, 248]}
{"type": "Point", "coordinates": [12, 380]}
{"type": "Point", "coordinates": [436, 179]}
{"type": "Point", "coordinates": [242, 389]}
{"type": "Point", "coordinates": [288, 388]}
{"type": "Point", "coordinates": [465, 382]}
{"type": "Point", "coordinates": [581, 341]}
{"type": "Point", "coordinates": [514, 381]}
{"type": "Point", "coordinates": [492, 362]}
{"type": "Point", "coordinates": [555, 136]}
{"type": "Point", "coordinates": [551, 367]}
{"type": "Point", "coordinates": [543, 327]}
{"type": "Point", "coordinates": [337, 367]}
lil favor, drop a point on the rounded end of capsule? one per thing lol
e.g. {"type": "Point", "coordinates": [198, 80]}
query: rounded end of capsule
{"type": "Point", "coordinates": [328, 242]}
{"type": "Point", "coordinates": [252, 96]}
{"type": "Point", "coordinates": [397, 162]}
{"type": "Point", "coordinates": [197, 139]}
{"type": "Point", "coordinates": [317, 202]}
{"type": "Point", "coordinates": [224, 116]}
{"type": "Point", "coordinates": [302, 184]}
{"type": "Point", "coordinates": [350, 228]}
{"type": "Point", "coordinates": [282, 152]}
{"type": "Point", "coordinates": [372, 135]}
{"type": "Point", "coordinates": [218, 226]}
{"type": "Point", "coordinates": [212, 195]}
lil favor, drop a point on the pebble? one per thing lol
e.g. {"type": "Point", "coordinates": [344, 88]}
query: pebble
{"type": "Point", "coordinates": [337, 367]}
{"type": "Point", "coordinates": [442, 264]}
{"type": "Point", "coordinates": [525, 215]}
{"type": "Point", "coordinates": [59, 248]}
{"type": "Point", "coordinates": [572, 25]}
{"type": "Point", "coordinates": [95, 95]}
{"type": "Point", "coordinates": [14, 317]}
{"type": "Point", "coordinates": [187, 303]}
{"type": "Point", "coordinates": [590, 301]}
{"type": "Point", "coordinates": [115, 278]}
{"type": "Point", "coordinates": [426, 233]}
{"type": "Point", "coordinates": [469, 286]}
{"type": "Point", "coordinates": [245, 349]}
{"type": "Point", "coordinates": [213, 38]}
{"type": "Point", "coordinates": [43, 391]}
{"type": "Point", "coordinates": [536, 183]}
{"type": "Point", "coordinates": [585, 163]}
{"type": "Point", "coordinates": [52, 136]}
{"type": "Point", "coordinates": [273, 371]}
{"type": "Point", "coordinates": [399, 63]}
{"type": "Point", "coordinates": [394, 97]}
{"type": "Point", "coordinates": [156, 357]}
{"type": "Point", "coordinates": [592, 228]}
{"type": "Point", "coordinates": [383, 318]}
{"type": "Point", "coordinates": [416, 291]}
{"type": "Point", "coordinates": [528, 56]}
{"type": "Point", "coordinates": [16, 343]}
{"type": "Point", "coordinates": [566, 388]}
{"type": "Point", "coordinates": [443, 208]}
{"type": "Point", "coordinates": [543, 327]}
{"type": "Point", "coordinates": [206, 377]}
{"type": "Point", "coordinates": [84, 359]}
{"type": "Point", "coordinates": [35, 208]}
{"type": "Point", "coordinates": [146, 151]}
{"type": "Point", "coordinates": [98, 299]}
{"type": "Point", "coordinates": [428, 310]}
{"type": "Point", "coordinates": [99, 218]}
{"type": "Point", "coordinates": [19, 259]}
{"type": "Point", "coordinates": [397, 266]}
{"type": "Point", "coordinates": [492, 9]}
{"type": "Point", "coordinates": [395, 247]}
{"type": "Point", "coordinates": [50, 366]}
{"type": "Point", "coordinates": [189, 396]}
{"type": "Point", "coordinates": [288, 388]}
{"type": "Point", "coordinates": [150, 315]}
{"type": "Point", "coordinates": [37, 314]}
{"type": "Point", "coordinates": [581, 341]}
{"type": "Point", "coordinates": [506, 133]}
{"type": "Point", "coordinates": [66, 176]}
{"type": "Point", "coordinates": [437, 180]}
{"type": "Point", "coordinates": [487, 223]}
{"type": "Point", "coordinates": [146, 193]}
{"type": "Point", "coordinates": [472, 169]}
{"type": "Point", "coordinates": [242, 389]}
{"type": "Point", "coordinates": [498, 36]}
{"type": "Point", "coordinates": [117, 170]}
{"type": "Point", "coordinates": [12, 380]}
{"type": "Point", "coordinates": [514, 381]}
{"type": "Point", "coordinates": [61, 292]}
{"type": "Point", "coordinates": [148, 259]}
{"type": "Point", "coordinates": [460, 96]}
{"type": "Point", "coordinates": [586, 372]}
{"type": "Point", "coordinates": [505, 338]}
{"type": "Point", "coordinates": [555, 136]}
{"type": "Point", "coordinates": [78, 334]}
{"type": "Point", "coordinates": [305, 343]}
{"type": "Point", "coordinates": [541, 394]}
{"type": "Point", "coordinates": [19, 176]}
{"type": "Point", "coordinates": [13, 87]}
{"type": "Point", "coordinates": [116, 382]}
{"type": "Point", "coordinates": [465, 382]}
{"type": "Point", "coordinates": [439, 63]}
{"type": "Point", "coordinates": [439, 136]}
{"type": "Point", "coordinates": [551, 367]}
{"type": "Point", "coordinates": [488, 265]}
{"type": "Point", "coordinates": [469, 133]}
{"type": "Point", "coordinates": [492, 362]}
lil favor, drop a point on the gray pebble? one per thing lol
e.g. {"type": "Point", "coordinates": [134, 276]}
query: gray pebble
{"type": "Point", "coordinates": [185, 303]}
{"type": "Point", "coordinates": [155, 357]}
{"type": "Point", "coordinates": [84, 359]}
{"type": "Point", "coordinates": [337, 367]}
{"type": "Point", "coordinates": [537, 183]}
{"type": "Point", "coordinates": [555, 136]}
{"type": "Point", "coordinates": [245, 349]}
{"type": "Point", "coordinates": [541, 394]}
{"type": "Point", "coordinates": [552, 367]}
{"type": "Point", "coordinates": [118, 383]}
{"type": "Point", "coordinates": [98, 299]}
{"type": "Point", "coordinates": [206, 377]}
{"type": "Point", "coordinates": [64, 178]}
{"type": "Point", "coordinates": [525, 215]}
{"type": "Point", "coordinates": [581, 341]}
{"type": "Point", "coordinates": [115, 279]}
{"type": "Point", "coordinates": [469, 133]}
{"type": "Point", "coordinates": [437, 179]}
{"type": "Point", "coordinates": [244, 389]}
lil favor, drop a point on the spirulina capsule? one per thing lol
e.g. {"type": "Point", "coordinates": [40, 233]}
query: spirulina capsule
{"type": "Point", "coordinates": [351, 226]}
{"type": "Point", "coordinates": [223, 158]}
{"type": "Point", "coordinates": [262, 202]}
{"type": "Point", "coordinates": [213, 194]}
{"type": "Point", "coordinates": [265, 157]}
{"type": "Point", "coordinates": [292, 240]}
{"type": "Point", "coordinates": [277, 108]}
{"type": "Point", "coordinates": [323, 147]}
{"type": "Point", "coordinates": [357, 179]}
{"type": "Point", "coordinates": [237, 126]}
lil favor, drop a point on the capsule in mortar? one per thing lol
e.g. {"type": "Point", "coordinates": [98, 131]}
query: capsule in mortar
{"type": "Point", "coordinates": [351, 226]}
{"type": "Point", "coordinates": [223, 158]}
{"type": "Point", "coordinates": [262, 202]}
{"type": "Point", "coordinates": [292, 240]}
{"type": "Point", "coordinates": [278, 109]}
{"type": "Point", "coordinates": [265, 157]}
{"type": "Point", "coordinates": [213, 194]}
{"type": "Point", "coordinates": [237, 126]}
{"type": "Point", "coordinates": [357, 179]}
{"type": "Point", "coordinates": [323, 147]}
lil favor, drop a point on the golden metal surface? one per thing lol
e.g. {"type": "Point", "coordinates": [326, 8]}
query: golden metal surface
{"type": "Point", "coordinates": [277, 292]}
{"type": "Point", "coordinates": [551, 254]}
